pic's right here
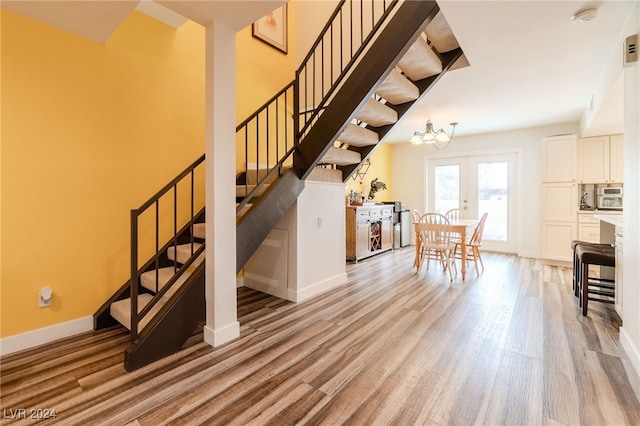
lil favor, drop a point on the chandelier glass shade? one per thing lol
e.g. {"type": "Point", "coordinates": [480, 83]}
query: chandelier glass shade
{"type": "Point", "coordinates": [433, 137]}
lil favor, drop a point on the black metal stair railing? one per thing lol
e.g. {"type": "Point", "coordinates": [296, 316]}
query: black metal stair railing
{"type": "Point", "coordinates": [267, 139]}
{"type": "Point", "coordinates": [168, 198]}
{"type": "Point", "coordinates": [341, 43]}
{"type": "Point", "coordinates": [265, 142]}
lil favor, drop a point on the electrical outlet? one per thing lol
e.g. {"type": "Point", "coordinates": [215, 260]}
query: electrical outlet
{"type": "Point", "coordinates": [45, 297]}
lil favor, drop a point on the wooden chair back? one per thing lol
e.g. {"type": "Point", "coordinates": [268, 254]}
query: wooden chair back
{"type": "Point", "coordinates": [435, 229]}
{"type": "Point", "coordinates": [453, 215]}
{"type": "Point", "coordinates": [476, 237]}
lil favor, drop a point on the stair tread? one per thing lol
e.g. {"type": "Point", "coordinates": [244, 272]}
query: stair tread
{"type": "Point", "coordinates": [440, 35]}
{"type": "Point", "coordinates": [183, 250]}
{"type": "Point", "coordinates": [341, 157]}
{"type": "Point", "coordinates": [358, 136]}
{"type": "Point", "coordinates": [121, 310]}
{"type": "Point", "coordinates": [244, 190]}
{"type": "Point", "coordinates": [376, 114]}
{"type": "Point", "coordinates": [420, 61]}
{"type": "Point", "coordinates": [148, 279]}
{"type": "Point", "coordinates": [397, 89]}
{"type": "Point", "coordinates": [199, 231]}
{"type": "Point", "coordinates": [323, 174]}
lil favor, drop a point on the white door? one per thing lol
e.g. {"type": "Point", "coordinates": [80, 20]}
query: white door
{"type": "Point", "coordinates": [478, 184]}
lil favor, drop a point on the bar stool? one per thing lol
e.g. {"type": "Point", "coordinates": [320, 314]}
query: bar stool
{"type": "Point", "coordinates": [576, 262]}
{"type": "Point", "coordinates": [599, 255]}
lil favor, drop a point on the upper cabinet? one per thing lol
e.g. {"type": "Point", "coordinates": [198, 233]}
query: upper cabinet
{"type": "Point", "coordinates": [616, 158]}
{"type": "Point", "coordinates": [559, 158]}
{"type": "Point", "coordinates": [600, 159]}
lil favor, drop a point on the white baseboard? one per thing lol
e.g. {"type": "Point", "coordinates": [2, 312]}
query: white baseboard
{"type": "Point", "coordinates": [44, 335]}
{"type": "Point", "coordinates": [632, 367]}
{"type": "Point", "coordinates": [222, 335]}
{"type": "Point", "coordinates": [317, 288]}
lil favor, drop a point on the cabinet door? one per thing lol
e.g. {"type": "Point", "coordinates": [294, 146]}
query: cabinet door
{"type": "Point", "coordinates": [559, 202]}
{"type": "Point", "coordinates": [362, 239]}
{"type": "Point", "coordinates": [556, 240]}
{"type": "Point", "coordinates": [593, 160]}
{"type": "Point", "coordinates": [559, 159]}
{"type": "Point", "coordinates": [616, 158]}
{"type": "Point", "coordinates": [387, 233]}
{"type": "Point", "coordinates": [588, 232]}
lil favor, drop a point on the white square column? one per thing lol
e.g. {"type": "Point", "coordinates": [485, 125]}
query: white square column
{"type": "Point", "coordinates": [220, 111]}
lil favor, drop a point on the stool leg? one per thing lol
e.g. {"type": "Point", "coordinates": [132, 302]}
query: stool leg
{"type": "Point", "coordinates": [576, 272]}
{"type": "Point", "coordinates": [584, 287]}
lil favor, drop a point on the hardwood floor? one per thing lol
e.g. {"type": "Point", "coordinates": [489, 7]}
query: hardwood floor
{"type": "Point", "coordinates": [389, 347]}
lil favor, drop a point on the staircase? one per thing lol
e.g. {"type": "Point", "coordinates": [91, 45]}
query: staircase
{"type": "Point", "coordinates": [310, 130]}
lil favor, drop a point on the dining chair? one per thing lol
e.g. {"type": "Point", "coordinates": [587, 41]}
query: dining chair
{"type": "Point", "coordinates": [474, 244]}
{"type": "Point", "coordinates": [435, 234]}
{"type": "Point", "coordinates": [454, 215]}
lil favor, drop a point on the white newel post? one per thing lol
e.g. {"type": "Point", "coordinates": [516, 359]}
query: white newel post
{"type": "Point", "coordinates": [220, 288]}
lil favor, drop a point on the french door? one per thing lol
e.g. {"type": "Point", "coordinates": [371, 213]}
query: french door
{"type": "Point", "coordinates": [477, 184]}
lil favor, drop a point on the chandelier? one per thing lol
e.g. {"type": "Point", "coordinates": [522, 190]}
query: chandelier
{"type": "Point", "coordinates": [438, 138]}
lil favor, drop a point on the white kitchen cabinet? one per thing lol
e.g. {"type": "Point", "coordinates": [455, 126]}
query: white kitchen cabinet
{"type": "Point", "coordinates": [588, 228]}
{"type": "Point", "coordinates": [600, 159]}
{"type": "Point", "coordinates": [559, 158]}
{"type": "Point", "coordinates": [593, 160]}
{"type": "Point", "coordinates": [560, 202]}
{"type": "Point", "coordinates": [559, 197]}
{"type": "Point", "coordinates": [556, 240]}
{"type": "Point", "coordinates": [616, 158]}
{"type": "Point", "coordinates": [559, 221]}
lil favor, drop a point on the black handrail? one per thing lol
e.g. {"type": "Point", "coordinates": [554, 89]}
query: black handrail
{"type": "Point", "coordinates": [294, 111]}
{"type": "Point", "coordinates": [310, 79]}
{"type": "Point", "coordinates": [266, 140]}
{"type": "Point", "coordinates": [170, 189]}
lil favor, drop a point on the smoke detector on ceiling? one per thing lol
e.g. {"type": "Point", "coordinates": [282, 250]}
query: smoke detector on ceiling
{"type": "Point", "coordinates": [586, 15]}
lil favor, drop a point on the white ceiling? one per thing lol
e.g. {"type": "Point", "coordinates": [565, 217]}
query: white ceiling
{"type": "Point", "coordinates": [530, 65]}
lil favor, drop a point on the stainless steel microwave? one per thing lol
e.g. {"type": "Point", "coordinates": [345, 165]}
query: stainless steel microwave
{"type": "Point", "coordinates": [610, 198]}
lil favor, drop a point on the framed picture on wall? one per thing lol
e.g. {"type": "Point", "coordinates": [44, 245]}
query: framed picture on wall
{"type": "Point", "coordinates": [272, 29]}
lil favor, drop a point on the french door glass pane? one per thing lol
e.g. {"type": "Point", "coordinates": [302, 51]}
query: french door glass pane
{"type": "Point", "coordinates": [447, 187]}
{"type": "Point", "coordinates": [493, 198]}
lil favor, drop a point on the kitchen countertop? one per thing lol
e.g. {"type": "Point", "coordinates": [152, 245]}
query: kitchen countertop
{"type": "Point", "coordinates": [613, 219]}
{"type": "Point", "coordinates": [604, 212]}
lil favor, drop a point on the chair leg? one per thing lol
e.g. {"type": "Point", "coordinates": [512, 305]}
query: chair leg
{"type": "Point", "coordinates": [447, 255]}
{"type": "Point", "coordinates": [480, 258]}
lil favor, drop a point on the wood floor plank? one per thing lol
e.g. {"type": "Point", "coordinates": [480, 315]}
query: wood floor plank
{"type": "Point", "coordinates": [390, 347]}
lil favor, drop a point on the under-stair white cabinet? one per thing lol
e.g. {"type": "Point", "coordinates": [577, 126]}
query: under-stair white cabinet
{"type": "Point", "coordinates": [559, 197]}
{"type": "Point", "coordinates": [600, 159]}
{"type": "Point", "coordinates": [369, 230]}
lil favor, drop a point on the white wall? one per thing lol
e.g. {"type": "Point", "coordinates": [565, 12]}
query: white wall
{"type": "Point", "coordinates": [630, 330]}
{"type": "Point", "coordinates": [409, 174]}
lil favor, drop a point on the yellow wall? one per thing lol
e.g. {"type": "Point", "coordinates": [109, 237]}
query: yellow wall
{"type": "Point", "coordinates": [380, 168]}
{"type": "Point", "coordinates": [261, 72]}
{"type": "Point", "coordinates": [89, 131]}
